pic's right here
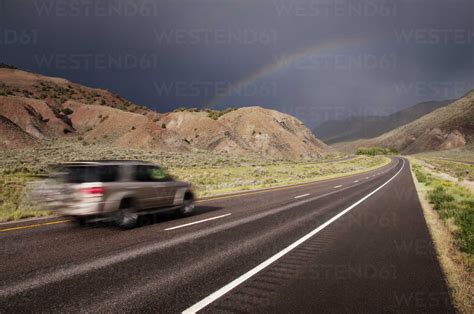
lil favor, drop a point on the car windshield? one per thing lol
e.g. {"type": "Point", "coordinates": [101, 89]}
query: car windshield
{"type": "Point", "coordinates": [89, 173]}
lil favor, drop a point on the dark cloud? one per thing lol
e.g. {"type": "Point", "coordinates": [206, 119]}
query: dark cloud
{"type": "Point", "coordinates": [318, 60]}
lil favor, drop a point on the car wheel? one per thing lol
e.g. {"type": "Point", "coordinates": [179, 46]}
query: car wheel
{"type": "Point", "coordinates": [80, 221]}
{"type": "Point", "coordinates": [187, 208]}
{"type": "Point", "coordinates": [126, 216]}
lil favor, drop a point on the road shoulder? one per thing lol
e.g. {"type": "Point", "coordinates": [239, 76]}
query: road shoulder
{"type": "Point", "coordinates": [453, 262]}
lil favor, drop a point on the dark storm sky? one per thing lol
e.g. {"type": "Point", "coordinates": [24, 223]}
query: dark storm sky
{"type": "Point", "coordinates": [315, 59]}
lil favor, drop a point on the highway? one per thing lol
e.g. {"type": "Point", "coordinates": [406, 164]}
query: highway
{"type": "Point", "coordinates": [352, 244]}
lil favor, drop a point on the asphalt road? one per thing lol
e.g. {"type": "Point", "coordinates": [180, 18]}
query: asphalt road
{"type": "Point", "coordinates": [353, 244]}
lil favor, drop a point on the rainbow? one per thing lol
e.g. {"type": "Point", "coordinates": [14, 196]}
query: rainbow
{"type": "Point", "coordinates": [286, 61]}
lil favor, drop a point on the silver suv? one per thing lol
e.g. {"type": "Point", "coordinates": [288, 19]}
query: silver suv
{"type": "Point", "coordinates": [115, 190]}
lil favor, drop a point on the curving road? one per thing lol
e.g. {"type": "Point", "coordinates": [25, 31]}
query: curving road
{"type": "Point", "coordinates": [352, 244]}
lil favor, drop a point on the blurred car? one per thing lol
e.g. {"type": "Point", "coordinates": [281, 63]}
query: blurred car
{"type": "Point", "coordinates": [114, 190]}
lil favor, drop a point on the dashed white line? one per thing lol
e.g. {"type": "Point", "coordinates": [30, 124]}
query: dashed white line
{"type": "Point", "coordinates": [236, 282]}
{"type": "Point", "coordinates": [367, 178]}
{"type": "Point", "coordinates": [356, 181]}
{"type": "Point", "coordinates": [197, 222]}
{"type": "Point", "coordinates": [299, 196]}
{"type": "Point", "coordinates": [337, 186]}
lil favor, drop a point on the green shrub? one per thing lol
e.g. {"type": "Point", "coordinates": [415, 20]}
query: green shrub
{"type": "Point", "coordinates": [373, 151]}
{"type": "Point", "coordinates": [216, 114]}
{"type": "Point", "coordinates": [67, 111]}
{"type": "Point", "coordinates": [7, 66]}
{"type": "Point", "coordinates": [439, 196]}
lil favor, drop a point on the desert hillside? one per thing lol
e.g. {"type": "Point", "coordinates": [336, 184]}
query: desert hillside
{"type": "Point", "coordinates": [35, 108]}
{"type": "Point", "coordinates": [363, 127]}
{"type": "Point", "coordinates": [449, 127]}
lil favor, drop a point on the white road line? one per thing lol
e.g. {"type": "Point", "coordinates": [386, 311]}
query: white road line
{"type": "Point", "coordinates": [337, 186]}
{"type": "Point", "coordinates": [236, 282]}
{"type": "Point", "coordinates": [299, 196]}
{"type": "Point", "coordinates": [197, 222]}
{"type": "Point", "coordinates": [367, 178]}
{"type": "Point", "coordinates": [356, 181]}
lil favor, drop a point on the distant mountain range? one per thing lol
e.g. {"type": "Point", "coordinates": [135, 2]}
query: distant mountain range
{"type": "Point", "coordinates": [451, 126]}
{"type": "Point", "coordinates": [36, 108]}
{"type": "Point", "coordinates": [364, 127]}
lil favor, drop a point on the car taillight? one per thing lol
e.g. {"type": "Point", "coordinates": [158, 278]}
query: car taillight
{"type": "Point", "coordinates": [94, 190]}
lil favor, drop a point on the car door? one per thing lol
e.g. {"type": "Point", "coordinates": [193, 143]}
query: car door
{"type": "Point", "coordinates": [165, 187]}
{"type": "Point", "coordinates": [144, 187]}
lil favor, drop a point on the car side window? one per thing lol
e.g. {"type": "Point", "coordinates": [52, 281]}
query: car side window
{"type": "Point", "coordinates": [141, 173]}
{"type": "Point", "coordinates": [150, 174]}
{"type": "Point", "coordinates": [157, 174]}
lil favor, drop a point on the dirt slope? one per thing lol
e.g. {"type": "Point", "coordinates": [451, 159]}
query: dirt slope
{"type": "Point", "coordinates": [13, 136]}
{"type": "Point", "coordinates": [35, 117]}
{"type": "Point", "coordinates": [250, 130]}
{"type": "Point", "coordinates": [449, 127]}
{"type": "Point", "coordinates": [55, 91]}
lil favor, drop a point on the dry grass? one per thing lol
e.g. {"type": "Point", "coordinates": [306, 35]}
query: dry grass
{"type": "Point", "coordinates": [210, 174]}
{"type": "Point", "coordinates": [462, 154]}
{"type": "Point", "coordinates": [459, 170]}
{"type": "Point", "coordinates": [214, 181]}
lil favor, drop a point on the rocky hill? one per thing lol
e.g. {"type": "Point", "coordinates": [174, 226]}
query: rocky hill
{"type": "Point", "coordinates": [362, 127]}
{"type": "Point", "coordinates": [448, 127]}
{"type": "Point", "coordinates": [35, 108]}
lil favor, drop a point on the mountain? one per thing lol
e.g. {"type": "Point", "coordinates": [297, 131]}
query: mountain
{"type": "Point", "coordinates": [360, 127]}
{"type": "Point", "coordinates": [36, 108]}
{"type": "Point", "coordinates": [448, 127]}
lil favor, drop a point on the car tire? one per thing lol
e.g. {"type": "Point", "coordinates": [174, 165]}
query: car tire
{"type": "Point", "coordinates": [126, 217]}
{"type": "Point", "coordinates": [188, 206]}
{"type": "Point", "coordinates": [80, 221]}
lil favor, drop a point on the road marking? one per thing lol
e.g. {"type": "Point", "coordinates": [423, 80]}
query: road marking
{"type": "Point", "coordinates": [367, 178]}
{"type": "Point", "coordinates": [236, 282]}
{"type": "Point", "coordinates": [197, 222]}
{"type": "Point", "coordinates": [299, 196]}
{"type": "Point", "coordinates": [337, 186]}
{"type": "Point", "coordinates": [34, 219]}
{"type": "Point", "coordinates": [356, 181]}
{"type": "Point", "coordinates": [35, 225]}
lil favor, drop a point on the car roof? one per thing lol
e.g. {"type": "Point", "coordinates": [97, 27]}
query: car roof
{"type": "Point", "coordinates": [107, 162]}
